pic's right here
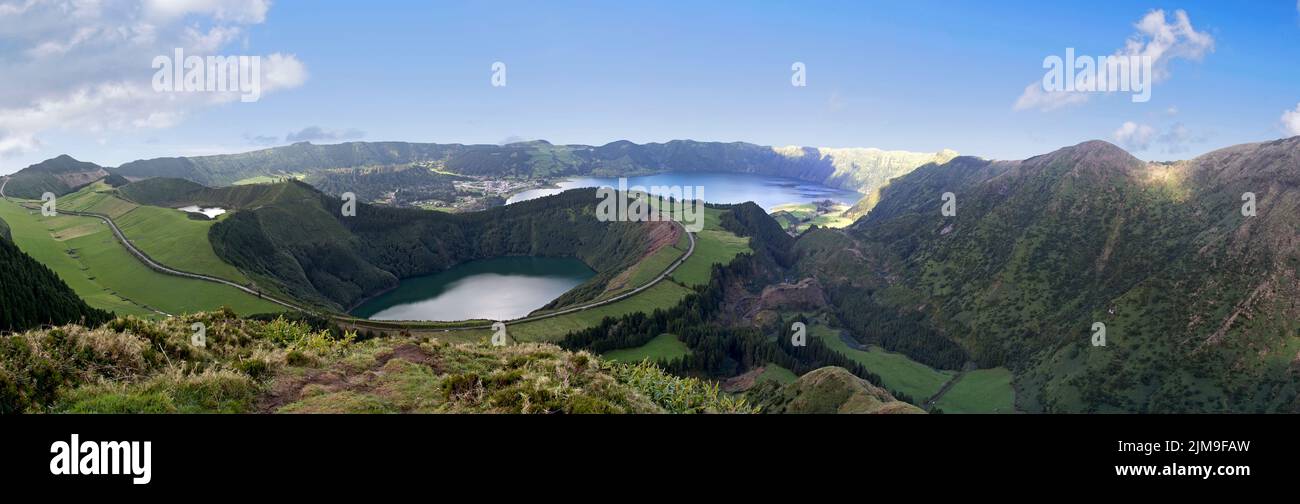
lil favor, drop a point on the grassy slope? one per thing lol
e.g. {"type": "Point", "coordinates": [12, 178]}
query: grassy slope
{"type": "Point", "coordinates": [167, 235]}
{"type": "Point", "coordinates": [896, 371]}
{"type": "Point", "coordinates": [177, 241]}
{"type": "Point", "coordinates": [652, 266]}
{"type": "Point", "coordinates": [86, 256]}
{"type": "Point", "coordinates": [980, 391]}
{"type": "Point", "coordinates": [662, 347]}
{"type": "Point", "coordinates": [662, 295]}
{"type": "Point", "coordinates": [773, 372]}
{"type": "Point", "coordinates": [713, 245]}
{"type": "Point", "coordinates": [806, 215]}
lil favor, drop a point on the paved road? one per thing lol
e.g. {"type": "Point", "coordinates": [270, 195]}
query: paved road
{"type": "Point", "coordinates": [356, 322]}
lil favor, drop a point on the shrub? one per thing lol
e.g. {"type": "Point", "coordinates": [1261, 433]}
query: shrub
{"type": "Point", "coordinates": [678, 395]}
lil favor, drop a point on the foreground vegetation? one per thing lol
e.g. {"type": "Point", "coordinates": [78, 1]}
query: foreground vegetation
{"type": "Point", "coordinates": [131, 365]}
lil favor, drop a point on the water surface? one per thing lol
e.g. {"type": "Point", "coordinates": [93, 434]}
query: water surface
{"type": "Point", "coordinates": [501, 288]}
{"type": "Point", "coordinates": [212, 213]}
{"type": "Point", "coordinates": [767, 192]}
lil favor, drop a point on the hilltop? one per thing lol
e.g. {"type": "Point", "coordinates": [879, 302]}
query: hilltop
{"type": "Point", "coordinates": [828, 390]}
{"type": "Point", "coordinates": [862, 170]}
{"type": "Point", "coordinates": [60, 175]}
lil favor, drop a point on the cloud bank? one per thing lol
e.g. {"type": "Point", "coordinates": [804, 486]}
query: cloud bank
{"type": "Point", "coordinates": [85, 65]}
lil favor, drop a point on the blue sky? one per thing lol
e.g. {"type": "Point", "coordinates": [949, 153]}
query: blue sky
{"type": "Point", "coordinates": [916, 75]}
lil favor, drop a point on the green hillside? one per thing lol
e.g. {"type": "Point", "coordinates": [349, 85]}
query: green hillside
{"type": "Point", "coordinates": [60, 175]}
{"type": "Point", "coordinates": [85, 255]}
{"type": "Point", "coordinates": [32, 295]}
{"type": "Point", "coordinates": [303, 243]}
{"type": "Point", "coordinates": [1041, 249]}
{"type": "Point", "coordinates": [167, 235]}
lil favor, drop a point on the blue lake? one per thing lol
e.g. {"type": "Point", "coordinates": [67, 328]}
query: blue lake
{"type": "Point", "coordinates": [767, 192]}
{"type": "Point", "coordinates": [501, 288]}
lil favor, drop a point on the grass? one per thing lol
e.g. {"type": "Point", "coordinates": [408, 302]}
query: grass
{"type": "Point", "coordinates": [980, 391]}
{"type": "Point", "coordinates": [268, 179]}
{"type": "Point", "coordinates": [165, 234]}
{"type": "Point", "coordinates": [84, 253]}
{"type": "Point", "coordinates": [135, 366]}
{"type": "Point", "coordinates": [661, 295]}
{"type": "Point", "coordinates": [713, 245]}
{"type": "Point", "coordinates": [97, 198]}
{"type": "Point", "coordinates": [652, 266]}
{"type": "Point", "coordinates": [897, 372]}
{"type": "Point", "coordinates": [35, 236]}
{"type": "Point", "coordinates": [664, 347]}
{"type": "Point", "coordinates": [773, 372]}
{"type": "Point", "coordinates": [803, 215]}
{"type": "Point", "coordinates": [173, 239]}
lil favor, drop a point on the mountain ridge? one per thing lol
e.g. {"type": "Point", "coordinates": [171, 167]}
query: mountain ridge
{"type": "Point", "coordinates": [859, 169]}
{"type": "Point", "coordinates": [1198, 300]}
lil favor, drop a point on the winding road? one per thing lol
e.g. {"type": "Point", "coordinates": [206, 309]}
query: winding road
{"type": "Point", "coordinates": [356, 322]}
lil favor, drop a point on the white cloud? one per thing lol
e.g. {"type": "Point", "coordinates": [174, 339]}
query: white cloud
{"type": "Point", "coordinates": [239, 11]}
{"type": "Point", "coordinates": [1156, 38]}
{"type": "Point", "coordinates": [1035, 97]}
{"type": "Point", "coordinates": [1291, 120]}
{"type": "Point", "coordinates": [86, 64]}
{"type": "Point", "coordinates": [317, 133]}
{"type": "Point", "coordinates": [1134, 136]}
{"type": "Point", "coordinates": [1175, 138]}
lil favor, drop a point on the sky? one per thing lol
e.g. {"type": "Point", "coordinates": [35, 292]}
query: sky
{"type": "Point", "coordinates": [77, 76]}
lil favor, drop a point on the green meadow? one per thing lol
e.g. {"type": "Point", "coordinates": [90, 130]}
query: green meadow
{"type": "Point", "coordinates": [663, 347]}
{"type": "Point", "coordinates": [713, 245]}
{"type": "Point", "coordinates": [84, 253]}
{"type": "Point", "coordinates": [897, 371]}
{"type": "Point", "coordinates": [773, 372]}
{"type": "Point", "coordinates": [980, 391]}
{"type": "Point", "coordinates": [167, 235]}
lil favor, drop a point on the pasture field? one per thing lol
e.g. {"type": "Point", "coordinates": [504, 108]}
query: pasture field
{"type": "Point", "coordinates": [663, 347]}
{"type": "Point", "coordinates": [773, 372]}
{"type": "Point", "coordinates": [980, 391]}
{"type": "Point", "coordinates": [713, 245]}
{"type": "Point", "coordinates": [84, 253]}
{"type": "Point", "coordinates": [897, 372]}
{"type": "Point", "coordinates": [167, 235]}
